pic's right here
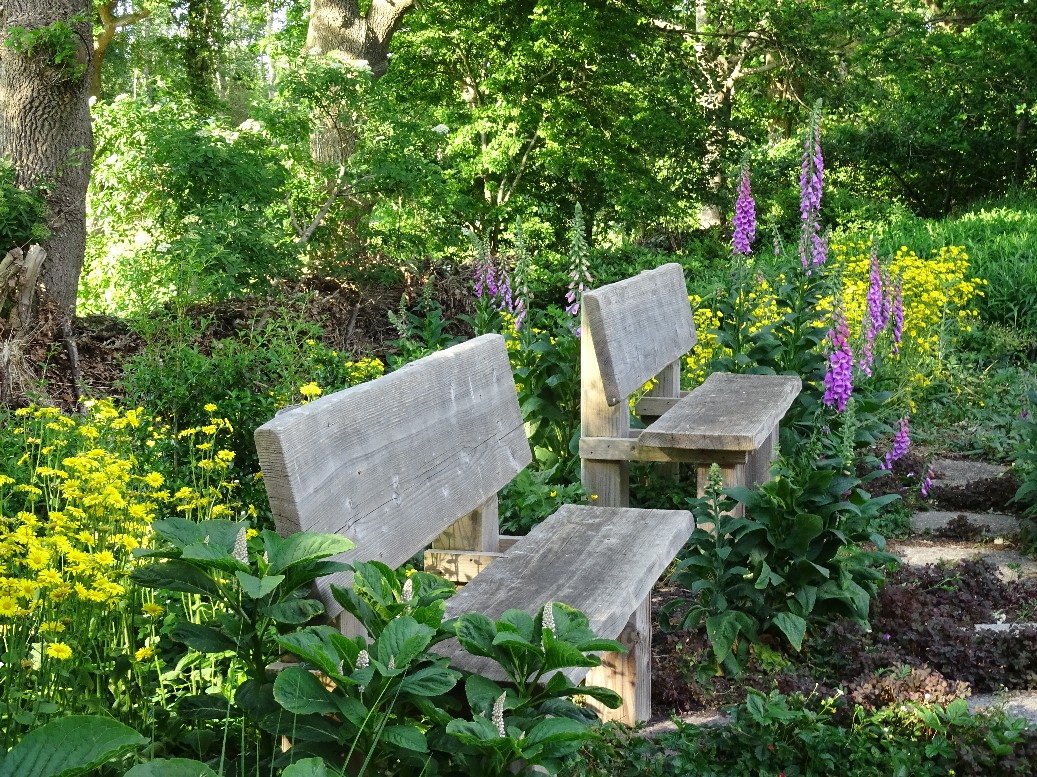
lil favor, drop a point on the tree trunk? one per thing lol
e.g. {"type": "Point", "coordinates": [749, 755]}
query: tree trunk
{"type": "Point", "coordinates": [45, 130]}
{"type": "Point", "coordinates": [110, 25]}
{"type": "Point", "coordinates": [201, 47]}
{"type": "Point", "coordinates": [338, 25]}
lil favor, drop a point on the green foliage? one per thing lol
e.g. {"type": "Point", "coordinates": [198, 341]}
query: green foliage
{"type": "Point", "coordinates": [789, 566]}
{"type": "Point", "coordinates": [23, 214]}
{"type": "Point", "coordinates": [58, 43]}
{"type": "Point", "coordinates": [773, 734]}
{"type": "Point", "coordinates": [182, 205]}
{"type": "Point", "coordinates": [69, 746]}
{"type": "Point", "coordinates": [1025, 466]}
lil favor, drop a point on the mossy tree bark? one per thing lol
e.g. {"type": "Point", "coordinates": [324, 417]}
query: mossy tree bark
{"type": "Point", "coordinates": [45, 130]}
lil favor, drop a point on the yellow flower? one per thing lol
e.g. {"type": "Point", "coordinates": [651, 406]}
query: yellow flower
{"type": "Point", "coordinates": [8, 607]}
{"type": "Point", "coordinates": [154, 479]}
{"type": "Point", "coordinates": [152, 609]}
{"type": "Point", "coordinates": [52, 626]}
{"type": "Point", "coordinates": [144, 653]}
{"type": "Point", "coordinates": [209, 407]}
{"type": "Point", "coordinates": [59, 650]}
{"type": "Point", "coordinates": [310, 390]}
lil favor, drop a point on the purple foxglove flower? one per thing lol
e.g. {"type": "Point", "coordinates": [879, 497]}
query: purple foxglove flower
{"type": "Point", "coordinates": [839, 377]}
{"type": "Point", "coordinates": [898, 315]}
{"type": "Point", "coordinates": [813, 246]}
{"type": "Point", "coordinates": [901, 443]}
{"type": "Point", "coordinates": [928, 482]}
{"type": "Point", "coordinates": [745, 217]}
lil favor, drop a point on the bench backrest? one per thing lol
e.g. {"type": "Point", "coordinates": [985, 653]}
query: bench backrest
{"type": "Point", "coordinates": [639, 326]}
{"type": "Point", "coordinates": [394, 462]}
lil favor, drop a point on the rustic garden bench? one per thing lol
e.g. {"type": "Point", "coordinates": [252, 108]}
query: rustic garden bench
{"type": "Point", "coordinates": [637, 330]}
{"type": "Point", "coordinates": [416, 457]}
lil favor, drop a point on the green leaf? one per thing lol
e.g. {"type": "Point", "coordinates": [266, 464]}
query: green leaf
{"type": "Point", "coordinates": [476, 633]}
{"type": "Point", "coordinates": [212, 555]}
{"type": "Point", "coordinates": [606, 696]}
{"type": "Point", "coordinates": [322, 646]}
{"type": "Point", "coordinates": [481, 693]}
{"type": "Point", "coordinates": [294, 611]}
{"type": "Point", "coordinates": [204, 639]}
{"type": "Point", "coordinates": [476, 732]}
{"type": "Point", "coordinates": [792, 626]}
{"type": "Point", "coordinates": [258, 587]}
{"type": "Point", "coordinates": [87, 741]}
{"type": "Point", "coordinates": [298, 690]}
{"type": "Point", "coordinates": [308, 767]}
{"type": "Point", "coordinates": [432, 680]}
{"type": "Point", "coordinates": [723, 630]}
{"type": "Point", "coordinates": [407, 737]}
{"type": "Point", "coordinates": [555, 731]}
{"type": "Point", "coordinates": [303, 546]}
{"type": "Point", "coordinates": [176, 575]}
{"type": "Point", "coordinates": [559, 654]}
{"type": "Point", "coordinates": [174, 767]}
{"type": "Point", "coordinates": [204, 706]}
{"type": "Point", "coordinates": [403, 639]}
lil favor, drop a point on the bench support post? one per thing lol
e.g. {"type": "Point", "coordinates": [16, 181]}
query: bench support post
{"type": "Point", "coordinates": [734, 475]}
{"type": "Point", "coordinates": [668, 384]}
{"type": "Point", "coordinates": [628, 674]}
{"type": "Point", "coordinates": [608, 482]}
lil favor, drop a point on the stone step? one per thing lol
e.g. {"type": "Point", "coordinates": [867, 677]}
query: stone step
{"type": "Point", "coordinates": [1018, 704]}
{"type": "Point", "coordinates": [959, 472]}
{"type": "Point", "coordinates": [1011, 565]}
{"type": "Point", "coordinates": [1004, 626]}
{"type": "Point", "coordinates": [997, 524]}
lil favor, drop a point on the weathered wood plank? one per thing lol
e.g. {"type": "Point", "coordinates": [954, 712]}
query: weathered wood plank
{"type": "Point", "coordinates": [630, 449]}
{"type": "Point", "coordinates": [730, 412]}
{"type": "Point", "coordinates": [639, 325]}
{"type": "Point", "coordinates": [602, 561]}
{"type": "Point", "coordinates": [607, 480]}
{"type": "Point", "coordinates": [393, 462]}
{"type": "Point", "coordinates": [628, 674]}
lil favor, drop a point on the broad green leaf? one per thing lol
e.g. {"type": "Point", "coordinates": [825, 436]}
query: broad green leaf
{"type": "Point", "coordinates": [172, 767]}
{"type": "Point", "coordinates": [69, 746]}
{"type": "Point", "coordinates": [175, 575]}
{"type": "Point", "coordinates": [284, 552]}
{"type": "Point", "coordinates": [204, 639]}
{"type": "Point", "coordinates": [559, 654]}
{"type": "Point", "coordinates": [553, 731]}
{"type": "Point", "coordinates": [792, 626]}
{"type": "Point", "coordinates": [204, 706]}
{"type": "Point", "coordinates": [308, 767]}
{"type": "Point", "coordinates": [258, 587]}
{"type": "Point", "coordinates": [407, 737]}
{"type": "Point", "coordinates": [476, 633]}
{"type": "Point", "coordinates": [606, 696]}
{"type": "Point", "coordinates": [432, 680]}
{"type": "Point", "coordinates": [481, 693]}
{"type": "Point", "coordinates": [298, 690]}
{"type": "Point", "coordinates": [402, 640]}
{"type": "Point", "coordinates": [318, 646]}
{"type": "Point", "coordinates": [211, 555]}
{"type": "Point", "coordinates": [477, 732]}
{"type": "Point", "coordinates": [294, 611]}
{"type": "Point", "coordinates": [723, 630]}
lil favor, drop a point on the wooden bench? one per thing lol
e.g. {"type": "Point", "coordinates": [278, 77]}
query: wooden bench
{"type": "Point", "coordinates": [417, 457]}
{"type": "Point", "coordinates": [639, 329]}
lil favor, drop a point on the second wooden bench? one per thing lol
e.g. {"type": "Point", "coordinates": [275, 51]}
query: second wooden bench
{"type": "Point", "coordinates": [638, 330]}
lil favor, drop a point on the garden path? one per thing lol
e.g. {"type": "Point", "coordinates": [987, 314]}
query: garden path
{"type": "Point", "coordinates": [993, 532]}
{"type": "Point", "coordinates": [998, 529]}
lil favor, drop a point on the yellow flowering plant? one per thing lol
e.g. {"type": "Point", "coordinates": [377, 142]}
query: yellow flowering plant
{"type": "Point", "coordinates": [79, 494]}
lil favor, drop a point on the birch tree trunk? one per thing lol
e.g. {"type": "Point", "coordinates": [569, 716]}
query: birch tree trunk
{"type": "Point", "coordinates": [45, 130]}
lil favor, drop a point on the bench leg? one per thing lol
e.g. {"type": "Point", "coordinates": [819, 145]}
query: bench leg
{"type": "Point", "coordinates": [606, 482]}
{"type": "Point", "coordinates": [758, 468]}
{"type": "Point", "coordinates": [628, 674]}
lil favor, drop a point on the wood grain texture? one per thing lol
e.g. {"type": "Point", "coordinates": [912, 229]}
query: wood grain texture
{"type": "Point", "coordinates": [393, 462]}
{"type": "Point", "coordinates": [603, 561]}
{"type": "Point", "coordinates": [628, 674]}
{"type": "Point", "coordinates": [607, 480]}
{"type": "Point", "coordinates": [727, 412]}
{"type": "Point", "coordinates": [639, 325]}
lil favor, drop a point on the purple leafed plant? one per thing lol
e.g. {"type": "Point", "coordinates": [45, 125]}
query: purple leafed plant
{"type": "Point", "coordinates": [745, 217]}
{"type": "Point", "coordinates": [839, 377]}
